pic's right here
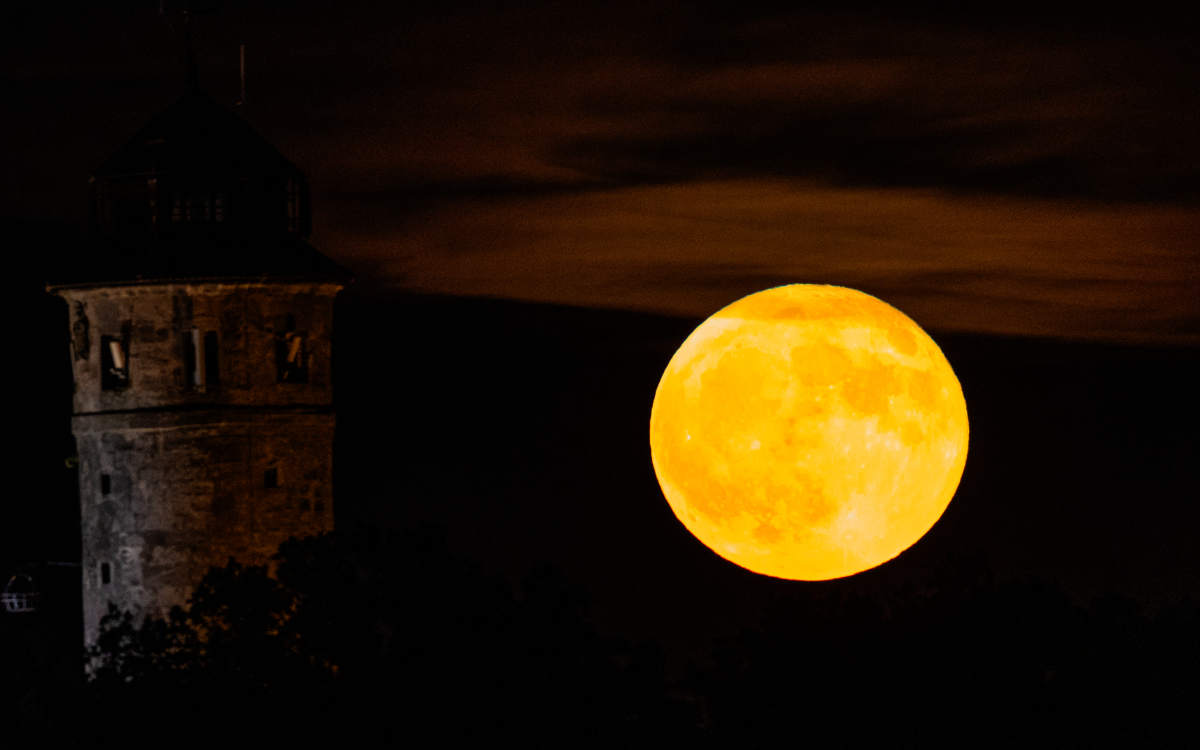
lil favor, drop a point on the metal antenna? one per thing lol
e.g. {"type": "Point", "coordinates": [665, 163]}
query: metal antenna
{"type": "Point", "coordinates": [242, 75]}
{"type": "Point", "coordinates": [191, 76]}
{"type": "Point", "coordinates": [192, 80]}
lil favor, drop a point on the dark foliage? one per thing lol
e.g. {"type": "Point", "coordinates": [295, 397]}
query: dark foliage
{"type": "Point", "coordinates": [508, 569]}
{"type": "Point", "coordinates": [392, 638]}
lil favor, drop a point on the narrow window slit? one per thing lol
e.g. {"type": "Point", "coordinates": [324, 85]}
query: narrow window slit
{"type": "Point", "coordinates": [114, 362]}
{"type": "Point", "coordinates": [212, 369]}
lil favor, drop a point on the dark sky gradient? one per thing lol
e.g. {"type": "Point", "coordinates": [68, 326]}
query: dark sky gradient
{"type": "Point", "coordinates": [522, 189]}
{"type": "Point", "coordinates": [1030, 171]}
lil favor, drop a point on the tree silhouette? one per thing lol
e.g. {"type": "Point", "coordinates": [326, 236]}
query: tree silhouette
{"type": "Point", "coordinates": [381, 640]}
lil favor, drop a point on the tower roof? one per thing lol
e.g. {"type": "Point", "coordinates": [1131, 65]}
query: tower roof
{"type": "Point", "coordinates": [198, 194]}
{"type": "Point", "coordinates": [195, 135]}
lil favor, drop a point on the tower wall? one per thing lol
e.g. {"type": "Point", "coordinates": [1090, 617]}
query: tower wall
{"type": "Point", "coordinates": [250, 322]}
{"type": "Point", "coordinates": [208, 435]}
{"type": "Point", "coordinates": [187, 491]}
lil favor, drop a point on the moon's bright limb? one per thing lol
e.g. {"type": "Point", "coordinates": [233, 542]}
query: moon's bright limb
{"type": "Point", "coordinates": [808, 432]}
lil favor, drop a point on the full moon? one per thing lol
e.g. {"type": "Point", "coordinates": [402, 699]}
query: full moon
{"type": "Point", "coordinates": [808, 432]}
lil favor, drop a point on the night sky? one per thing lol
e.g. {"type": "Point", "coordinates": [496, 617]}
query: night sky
{"type": "Point", "coordinates": [540, 200]}
{"type": "Point", "coordinates": [1028, 171]}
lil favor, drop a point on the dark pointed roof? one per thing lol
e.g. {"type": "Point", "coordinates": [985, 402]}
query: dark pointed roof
{"type": "Point", "coordinates": [194, 135]}
{"type": "Point", "coordinates": [156, 215]}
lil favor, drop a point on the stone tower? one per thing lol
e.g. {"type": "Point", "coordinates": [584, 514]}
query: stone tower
{"type": "Point", "coordinates": [200, 329]}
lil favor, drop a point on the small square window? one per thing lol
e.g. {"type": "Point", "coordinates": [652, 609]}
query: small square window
{"type": "Point", "coordinates": [105, 484]}
{"type": "Point", "coordinates": [271, 478]}
{"type": "Point", "coordinates": [105, 574]}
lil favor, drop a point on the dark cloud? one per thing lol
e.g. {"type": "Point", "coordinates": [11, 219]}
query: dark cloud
{"type": "Point", "coordinates": [926, 96]}
{"type": "Point", "coordinates": [852, 100]}
{"type": "Point", "coordinates": [1029, 168]}
{"type": "Point", "coordinates": [1011, 266]}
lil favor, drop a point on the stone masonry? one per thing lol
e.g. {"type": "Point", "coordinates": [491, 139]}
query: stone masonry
{"type": "Point", "coordinates": [203, 418]}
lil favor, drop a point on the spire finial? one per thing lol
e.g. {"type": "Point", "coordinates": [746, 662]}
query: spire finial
{"type": "Point", "coordinates": [241, 76]}
{"type": "Point", "coordinates": [186, 10]}
{"type": "Point", "coordinates": [191, 77]}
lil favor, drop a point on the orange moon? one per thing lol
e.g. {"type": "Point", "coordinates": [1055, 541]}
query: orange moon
{"type": "Point", "coordinates": [808, 432]}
